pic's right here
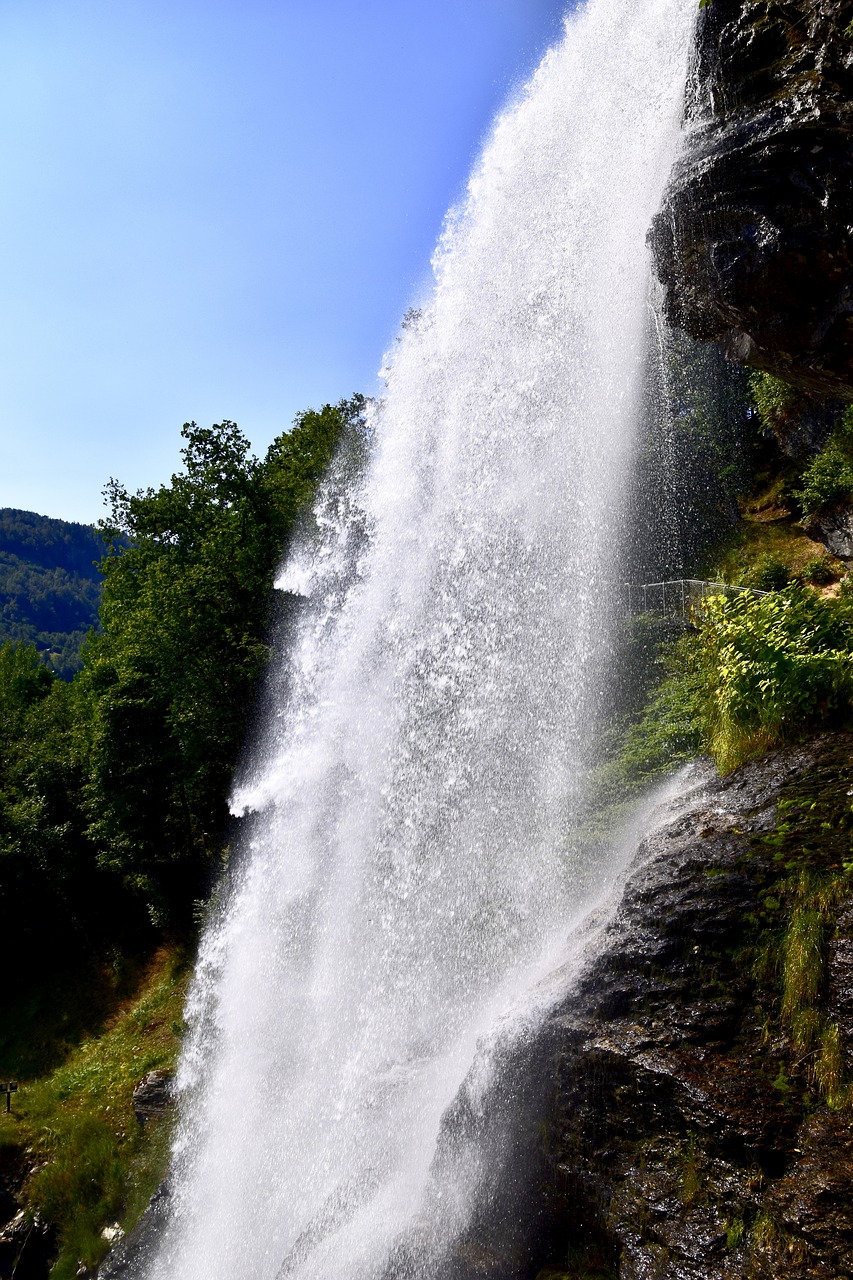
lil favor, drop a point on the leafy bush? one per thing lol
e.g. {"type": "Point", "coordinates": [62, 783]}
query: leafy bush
{"type": "Point", "coordinates": [668, 732]}
{"type": "Point", "coordinates": [774, 400]}
{"type": "Point", "coordinates": [819, 571]}
{"type": "Point", "coordinates": [829, 476]}
{"type": "Point", "coordinates": [768, 574]}
{"type": "Point", "coordinates": [775, 665]}
{"type": "Point", "coordinates": [663, 727]}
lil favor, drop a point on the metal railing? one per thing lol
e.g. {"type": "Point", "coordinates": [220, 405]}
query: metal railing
{"type": "Point", "coordinates": [680, 598]}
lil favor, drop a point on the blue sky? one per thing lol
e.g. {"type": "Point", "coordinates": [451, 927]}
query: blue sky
{"type": "Point", "coordinates": [215, 210]}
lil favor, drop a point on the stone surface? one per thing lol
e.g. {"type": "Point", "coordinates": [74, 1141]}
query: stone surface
{"type": "Point", "coordinates": [152, 1096]}
{"type": "Point", "coordinates": [834, 526]}
{"type": "Point", "coordinates": [26, 1249]}
{"type": "Point", "coordinates": [754, 241]}
{"type": "Point", "coordinates": [130, 1258]}
{"type": "Point", "coordinates": [681, 1136]}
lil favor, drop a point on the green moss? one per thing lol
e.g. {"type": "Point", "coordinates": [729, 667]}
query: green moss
{"type": "Point", "coordinates": [692, 1180]}
{"type": "Point", "coordinates": [766, 538]}
{"type": "Point", "coordinates": [829, 1066]}
{"type": "Point", "coordinates": [811, 878]}
{"type": "Point", "coordinates": [735, 1232]}
{"type": "Point", "coordinates": [803, 972]}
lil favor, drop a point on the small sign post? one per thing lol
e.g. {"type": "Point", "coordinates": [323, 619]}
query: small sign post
{"type": "Point", "coordinates": [8, 1088]}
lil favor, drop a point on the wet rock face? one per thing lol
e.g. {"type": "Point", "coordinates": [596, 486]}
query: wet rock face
{"type": "Point", "coordinates": [754, 242]}
{"type": "Point", "coordinates": [684, 1134]}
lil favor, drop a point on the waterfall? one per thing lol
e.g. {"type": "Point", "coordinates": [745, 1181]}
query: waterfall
{"type": "Point", "coordinates": [410, 865]}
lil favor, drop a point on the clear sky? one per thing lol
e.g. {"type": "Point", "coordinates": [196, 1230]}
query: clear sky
{"type": "Point", "coordinates": [219, 209]}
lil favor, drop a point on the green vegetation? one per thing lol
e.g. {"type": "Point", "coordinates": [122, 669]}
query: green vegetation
{"type": "Point", "coordinates": [786, 954]}
{"type": "Point", "coordinates": [776, 667]}
{"type": "Point", "coordinates": [756, 671]}
{"type": "Point", "coordinates": [765, 549]}
{"type": "Point", "coordinates": [753, 672]}
{"type": "Point", "coordinates": [50, 586]}
{"type": "Point", "coordinates": [777, 404]}
{"type": "Point", "coordinates": [94, 1164]}
{"type": "Point", "coordinates": [171, 682]}
{"type": "Point", "coordinates": [828, 478]}
{"type": "Point", "coordinates": [113, 788]}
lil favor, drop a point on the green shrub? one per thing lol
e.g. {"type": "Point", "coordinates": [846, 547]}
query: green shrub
{"type": "Point", "coordinates": [819, 571]}
{"type": "Point", "coordinates": [768, 574]}
{"type": "Point", "coordinates": [829, 476]}
{"type": "Point", "coordinates": [773, 400]}
{"type": "Point", "coordinates": [775, 665]}
{"type": "Point", "coordinates": [665, 730]}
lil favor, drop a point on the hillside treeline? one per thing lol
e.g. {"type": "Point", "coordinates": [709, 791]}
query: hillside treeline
{"type": "Point", "coordinates": [114, 786]}
{"type": "Point", "coordinates": [50, 586]}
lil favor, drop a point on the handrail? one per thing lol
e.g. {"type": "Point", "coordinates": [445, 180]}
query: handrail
{"type": "Point", "coordinates": [677, 597]}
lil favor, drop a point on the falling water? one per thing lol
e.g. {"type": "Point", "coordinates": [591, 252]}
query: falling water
{"type": "Point", "coordinates": [411, 866]}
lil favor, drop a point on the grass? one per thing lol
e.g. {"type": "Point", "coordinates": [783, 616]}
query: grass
{"type": "Point", "coordinates": [692, 1182]}
{"type": "Point", "coordinates": [763, 533]}
{"type": "Point", "coordinates": [797, 913]}
{"type": "Point", "coordinates": [91, 1163]}
{"type": "Point", "coordinates": [803, 975]}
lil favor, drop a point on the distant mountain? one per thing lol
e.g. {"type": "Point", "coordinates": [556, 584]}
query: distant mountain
{"type": "Point", "coordinates": [50, 586]}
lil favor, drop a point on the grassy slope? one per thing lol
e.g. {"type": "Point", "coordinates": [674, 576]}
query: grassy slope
{"type": "Point", "coordinates": [90, 1164]}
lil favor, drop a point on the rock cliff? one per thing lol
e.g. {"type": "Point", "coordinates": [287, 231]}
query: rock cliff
{"type": "Point", "coordinates": [754, 243]}
{"type": "Point", "coordinates": [687, 1108]}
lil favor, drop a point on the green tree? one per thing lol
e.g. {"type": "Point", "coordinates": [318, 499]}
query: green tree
{"type": "Point", "coordinates": [186, 610]}
{"type": "Point", "coordinates": [50, 885]}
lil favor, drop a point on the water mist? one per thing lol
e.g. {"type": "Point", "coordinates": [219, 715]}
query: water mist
{"type": "Point", "coordinates": [410, 867]}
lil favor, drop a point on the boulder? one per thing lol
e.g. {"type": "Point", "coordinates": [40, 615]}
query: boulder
{"type": "Point", "coordinates": [152, 1096]}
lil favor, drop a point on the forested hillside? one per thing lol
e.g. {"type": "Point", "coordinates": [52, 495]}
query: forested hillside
{"type": "Point", "coordinates": [50, 585]}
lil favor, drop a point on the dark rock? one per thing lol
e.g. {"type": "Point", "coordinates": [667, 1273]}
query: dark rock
{"type": "Point", "coordinates": [678, 1133]}
{"type": "Point", "coordinates": [27, 1249]}
{"type": "Point", "coordinates": [130, 1258]}
{"type": "Point", "coordinates": [152, 1097]}
{"type": "Point", "coordinates": [754, 241]}
{"type": "Point", "coordinates": [834, 526]}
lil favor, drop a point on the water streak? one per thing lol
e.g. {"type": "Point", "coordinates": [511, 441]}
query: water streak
{"type": "Point", "coordinates": [411, 866]}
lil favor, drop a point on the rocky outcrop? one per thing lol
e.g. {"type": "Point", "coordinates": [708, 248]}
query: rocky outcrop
{"type": "Point", "coordinates": [688, 1105]}
{"type": "Point", "coordinates": [27, 1246]}
{"type": "Point", "coordinates": [754, 242]}
{"type": "Point", "coordinates": [152, 1096]}
{"type": "Point", "coordinates": [131, 1256]}
{"type": "Point", "coordinates": [833, 524]}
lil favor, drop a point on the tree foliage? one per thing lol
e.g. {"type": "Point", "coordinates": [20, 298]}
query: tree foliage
{"type": "Point", "coordinates": [50, 586]}
{"type": "Point", "coordinates": [113, 789]}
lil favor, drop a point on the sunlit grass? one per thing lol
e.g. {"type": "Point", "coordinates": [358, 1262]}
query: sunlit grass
{"type": "Point", "coordinates": [94, 1165]}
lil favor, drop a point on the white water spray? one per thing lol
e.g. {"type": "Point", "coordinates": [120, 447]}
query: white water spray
{"type": "Point", "coordinates": [411, 865]}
